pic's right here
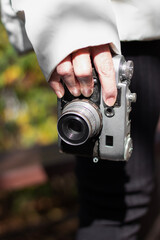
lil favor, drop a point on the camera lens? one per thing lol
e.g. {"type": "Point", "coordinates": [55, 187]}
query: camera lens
{"type": "Point", "coordinates": [79, 121]}
{"type": "Point", "coordinates": [75, 126]}
{"type": "Point", "coordinates": [73, 129]}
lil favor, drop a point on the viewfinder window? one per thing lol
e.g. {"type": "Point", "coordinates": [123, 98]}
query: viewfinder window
{"type": "Point", "coordinates": [109, 141]}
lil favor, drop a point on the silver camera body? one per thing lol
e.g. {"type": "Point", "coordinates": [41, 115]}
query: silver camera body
{"type": "Point", "coordinates": [88, 127]}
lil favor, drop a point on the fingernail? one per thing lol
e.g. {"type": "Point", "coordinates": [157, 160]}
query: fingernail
{"type": "Point", "coordinates": [59, 94]}
{"type": "Point", "coordinates": [75, 92]}
{"type": "Point", "coordinates": [87, 92]}
{"type": "Point", "coordinates": [110, 101]}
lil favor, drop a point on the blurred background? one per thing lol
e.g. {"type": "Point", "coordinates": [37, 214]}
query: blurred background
{"type": "Point", "coordinates": [38, 193]}
{"type": "Point", "coordinates": [27, 105]}
{"type": "Point", "coordinates": [38, 196]}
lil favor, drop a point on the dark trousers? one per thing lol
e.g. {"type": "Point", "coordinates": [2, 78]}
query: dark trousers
{"type": "Point", "coordinates": [115, 195]}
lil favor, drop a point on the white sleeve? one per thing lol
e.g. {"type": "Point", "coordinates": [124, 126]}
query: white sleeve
{"type": "Point", "coordinates": [15, 28]}
{"type": "Point", "coordinates": [58, 27]}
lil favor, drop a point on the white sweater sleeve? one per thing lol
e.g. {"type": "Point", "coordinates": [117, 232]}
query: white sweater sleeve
{"type": "Point", "coordinates": [15, 28]}
{"type": "Point", "coordinates": [58, 27]}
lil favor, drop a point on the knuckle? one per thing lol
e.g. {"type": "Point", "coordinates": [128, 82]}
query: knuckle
{"type": "Point", "coordinates": [83, 72]}
{"type": "Point", "coordinates": [106, 70]}
{"type": "Point", "coordinates": [65, 69]}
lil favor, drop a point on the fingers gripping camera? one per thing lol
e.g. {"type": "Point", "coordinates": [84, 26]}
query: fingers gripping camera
{"type": "Point", "coordinates": [88, 127]}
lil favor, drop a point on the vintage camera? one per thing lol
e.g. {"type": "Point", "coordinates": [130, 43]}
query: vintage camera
{"type": "Point", "coordinates": [88, 127]}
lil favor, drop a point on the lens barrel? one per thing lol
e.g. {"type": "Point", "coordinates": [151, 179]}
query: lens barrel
{"type": "Point", "coordinates": [80, 120]}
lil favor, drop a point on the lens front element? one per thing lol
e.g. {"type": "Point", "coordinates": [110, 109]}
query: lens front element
{"type": "Point", "coordinates": [73, 129]}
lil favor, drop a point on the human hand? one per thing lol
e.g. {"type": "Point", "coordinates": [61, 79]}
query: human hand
{"type": "Point", "coordinates": [76, 72]}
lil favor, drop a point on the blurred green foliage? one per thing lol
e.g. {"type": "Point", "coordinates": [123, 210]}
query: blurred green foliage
{"type": "Point", "coordinates": [27, 104]}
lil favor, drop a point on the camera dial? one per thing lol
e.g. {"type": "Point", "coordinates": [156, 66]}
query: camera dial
{"type": "Point", "coordinates": [127, 70]}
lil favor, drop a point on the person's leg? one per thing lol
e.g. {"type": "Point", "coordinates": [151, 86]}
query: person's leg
{"type": "Point", "coordinates": [115, 195]}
